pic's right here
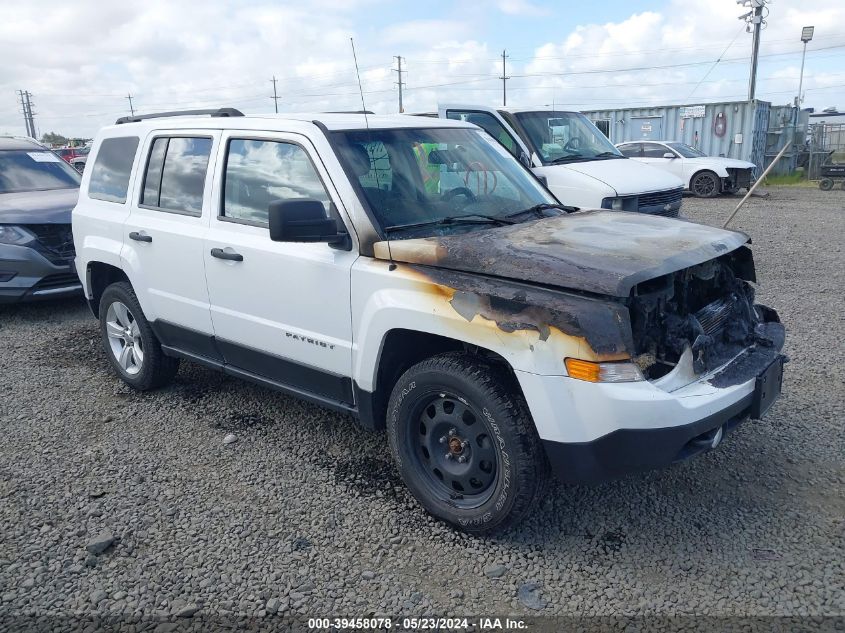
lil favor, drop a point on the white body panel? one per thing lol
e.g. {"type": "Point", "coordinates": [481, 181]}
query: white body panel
{"type": "Point", "coordinates": [283, 294]}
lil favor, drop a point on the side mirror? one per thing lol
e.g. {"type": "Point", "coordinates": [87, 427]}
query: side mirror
{"type": "Point", "coordinates": [523, 158]}
{"type": "Point", "coordinates": [302, 220]}
{"type": "Point", "coordinates": [668, 155]}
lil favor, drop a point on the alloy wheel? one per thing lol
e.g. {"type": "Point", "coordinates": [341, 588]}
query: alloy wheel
{"type": "Point", "coordinates": [125, 338]}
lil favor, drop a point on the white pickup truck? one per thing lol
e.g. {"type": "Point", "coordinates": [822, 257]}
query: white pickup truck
{"type": "Point", "coordinates": [578, 163]}
{"type": "Point", "coordinates": [361, 264]}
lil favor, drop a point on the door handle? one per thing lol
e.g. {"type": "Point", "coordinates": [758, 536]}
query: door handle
{"type": "Point", "coordinates": [140, 237]}
{"type": "Point", "coordinates": [219, 253]}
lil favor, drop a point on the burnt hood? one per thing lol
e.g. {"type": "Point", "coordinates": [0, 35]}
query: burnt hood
{"type": "Point", "coordinates": [603, 252]}
{"type": "Point", "coordinates": [38, 207]}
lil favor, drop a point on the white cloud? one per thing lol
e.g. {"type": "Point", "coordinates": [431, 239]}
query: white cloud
{"type": "Point", "coordinates": [521, 7]}
{"type": "Point", "coordinates": [87, 56]}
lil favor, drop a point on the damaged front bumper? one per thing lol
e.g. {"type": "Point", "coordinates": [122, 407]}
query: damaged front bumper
{"type": "Point", "coordinates": [612, 430]}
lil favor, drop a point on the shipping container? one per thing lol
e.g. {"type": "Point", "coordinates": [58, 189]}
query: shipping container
{"type": "Point", "coordinates": [733, 129]}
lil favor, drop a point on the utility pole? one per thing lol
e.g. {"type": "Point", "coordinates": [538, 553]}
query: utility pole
{"type": "Point", "coordinates": [26, 108]}
{"type": "Point", "coordinates": [755, 20]}
{"type": "Point", "coordinates": [399, 83]}
{"type": "Point", "coordinates": [131, 108]}
{"type": "Point", "coordinates": [504, 78]}
{"type": "Point", "coordinates": [275, 96]}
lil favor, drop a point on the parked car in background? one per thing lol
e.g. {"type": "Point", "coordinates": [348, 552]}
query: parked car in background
{"type": "Point", "coordinates": [75, 156]}
{"type": "Point", "coordinates": [38, 190]}
{"type": "Point", "coordinates": [581, 167]}
{"type": "Point", "coordinates": [705, 176]}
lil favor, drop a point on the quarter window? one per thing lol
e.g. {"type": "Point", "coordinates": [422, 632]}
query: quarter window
{"type": "Point", "coordinates": [175, 176]}
{"type": "Point", "coordinates": [261, 172]}
{"type": "Point", "coordinates": [632, 150]}
{"type": "Point", "coordinates": [112, 167]}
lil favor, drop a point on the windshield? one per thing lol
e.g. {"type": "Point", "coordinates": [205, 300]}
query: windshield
{"type": "Point", "coordinates": [686, 151]}
{"type": "Point", "coordinates": [38, 170]}
{"type": "Point", "coordinates": [560, 137]}
{"type": "Point", "coordinates": [413, 176]}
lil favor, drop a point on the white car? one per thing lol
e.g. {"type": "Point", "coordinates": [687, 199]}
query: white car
{"type": "Point", "coordinates": [358, 263]}
{"type": "Point", "coordinates": [578, 163]}
{"type": "Point", "coordinates": [705, 176]}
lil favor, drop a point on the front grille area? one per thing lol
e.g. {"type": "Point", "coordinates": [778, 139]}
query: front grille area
{"type": "Point", "coordinates": [60, 280]}
{"type": "Point", "coordinates": [55, 241]}
{"type": "Point", "coordinates": [739, 178]}
{"type": "Point", "coordinates": [661, 202]}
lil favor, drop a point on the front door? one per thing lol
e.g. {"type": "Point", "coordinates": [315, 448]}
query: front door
{"type": "Point", "coordinates": [280, 310]}
{"type": "Point", "coordinates": [654, 154]}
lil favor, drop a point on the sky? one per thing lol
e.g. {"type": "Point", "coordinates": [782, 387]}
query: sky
{"type": "Point", "coordinates": [81, 59]}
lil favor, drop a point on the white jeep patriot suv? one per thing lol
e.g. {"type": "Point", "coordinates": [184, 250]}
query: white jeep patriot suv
{"type": "Point", "coordinates": [412, 273]}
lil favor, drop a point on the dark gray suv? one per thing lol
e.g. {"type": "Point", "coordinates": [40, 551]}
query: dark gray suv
{"type": "Point", "coordinates": [38, 191]}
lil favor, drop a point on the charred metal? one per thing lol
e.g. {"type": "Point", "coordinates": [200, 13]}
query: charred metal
{"type": "Point", "coordinates": [514, 306]}
{"type": "Point", "coordinates": [708, 308]}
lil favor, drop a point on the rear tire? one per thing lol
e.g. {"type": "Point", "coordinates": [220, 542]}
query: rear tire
{"type": "Point", "coordinates": [705, 184]}
{"type": "Point", "coordinates": [826, 184]}
{"type": "Point", "coordinates": [130, 345]}
{"type": "Point", "coordinates": [465, 443]}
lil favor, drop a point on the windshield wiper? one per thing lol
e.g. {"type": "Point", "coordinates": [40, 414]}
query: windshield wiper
{"type": "Point", "coordinates": [565, 159]}
{"type": "Point", "coordinates": [469, 218]}
{"type": "Point", "coordinates": [538, 209]}
{"type": "Point", "coordinates": [608, 155]}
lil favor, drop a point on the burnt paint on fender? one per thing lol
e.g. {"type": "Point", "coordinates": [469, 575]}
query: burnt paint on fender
{"type": "Point", "coordinates": [576, 325]}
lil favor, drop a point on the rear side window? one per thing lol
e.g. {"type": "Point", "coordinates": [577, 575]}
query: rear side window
{"type": "Point", "coordinates": [261, 172]}
{"type": "Point", "coordinates": [631, 151]}
{"type": "Point", "coordinates": [175, 176]}
{"type": "Point", "coordinates": [112, 168]}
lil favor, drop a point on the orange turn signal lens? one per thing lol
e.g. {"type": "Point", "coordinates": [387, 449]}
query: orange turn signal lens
{"type": "Point", "coordinates": [616, 371]}
{"type": "Point", "coordinates": [583, 369]}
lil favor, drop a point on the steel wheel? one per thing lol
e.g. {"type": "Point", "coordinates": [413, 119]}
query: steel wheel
{"type": "Point", "coordinates": [826, 184]}
{"type": "Point", "coordinates": [705, 185]}
{"type": "Point", "coordinates": [454, 450]}
{"type": "Point", "coordinates": [124, 338]}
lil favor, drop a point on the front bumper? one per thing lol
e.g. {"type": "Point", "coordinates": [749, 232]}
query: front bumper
{"type": "Point", "coordinates": [593, 432]}
{"type": "Point", "coordinates": [34, 277]}
{"type": "Point", "coordinates": [627, 451]}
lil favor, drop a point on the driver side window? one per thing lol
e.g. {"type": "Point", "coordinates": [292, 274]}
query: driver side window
{"type": "Point", "coordinates": [260, 172]}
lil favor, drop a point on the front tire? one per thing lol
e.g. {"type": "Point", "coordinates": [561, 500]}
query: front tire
{"type": "Point", "coordinates": [826, 184]}
{"type": "Point", "coordinates": [705, 184]}
{"type": "Point", "coordinates": [465, 443]}
{"type": "Point", "coordinates": [133, 350]}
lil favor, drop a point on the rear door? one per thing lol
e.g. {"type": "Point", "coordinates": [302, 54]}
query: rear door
{"type": "Point", "coordinates": [281, 310]}
{"type": "Point", "coordinates": [165, 232]}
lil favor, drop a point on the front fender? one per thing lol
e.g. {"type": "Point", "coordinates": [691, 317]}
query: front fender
{"type": "Point", "coordinates": [533, 329]}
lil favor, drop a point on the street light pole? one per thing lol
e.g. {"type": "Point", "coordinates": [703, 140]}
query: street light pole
{"type": "Point", "coordinates": [806, 36]}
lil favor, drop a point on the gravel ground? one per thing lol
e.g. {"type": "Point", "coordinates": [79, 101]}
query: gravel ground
{"type": "Point", "coordinates": [305, 514]}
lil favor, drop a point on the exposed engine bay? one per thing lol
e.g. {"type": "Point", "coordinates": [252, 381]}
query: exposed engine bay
{"type": "Point", "coordinates": [709, 309]}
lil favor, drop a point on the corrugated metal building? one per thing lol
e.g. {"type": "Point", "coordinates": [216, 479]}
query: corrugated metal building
{"type": "Point", "coordinates": [747, 130]}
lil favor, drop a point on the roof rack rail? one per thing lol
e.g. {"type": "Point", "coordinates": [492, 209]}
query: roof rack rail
{"type": "Point", "coordinates": [223, 112]}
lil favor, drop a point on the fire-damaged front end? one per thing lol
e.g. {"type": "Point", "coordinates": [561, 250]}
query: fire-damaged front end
{"type": "Point", "coordinates": [702, 320]}
{"type": "Point", "coordinates": [636, 341]}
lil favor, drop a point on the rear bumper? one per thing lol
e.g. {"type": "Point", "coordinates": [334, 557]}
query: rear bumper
{"type": "Point", "coordinates": [628, 451]}
{"type": "Point", "coordinates": [31, 277]}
